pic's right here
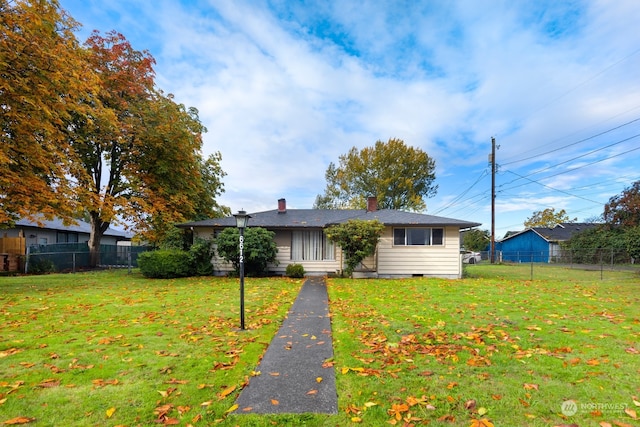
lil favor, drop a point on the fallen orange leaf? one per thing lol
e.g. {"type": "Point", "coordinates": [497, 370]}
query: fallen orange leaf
{"type": "Point", "coordinates": [19, 420]}
{"type": "Point", "coordinates": [274, 402]}
{"type": "Point", "coordinates": [227, 391]}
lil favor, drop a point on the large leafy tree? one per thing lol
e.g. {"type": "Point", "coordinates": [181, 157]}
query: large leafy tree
{"type": "Point", "coordinates": [400, 176]}
{"type": "Point", "coordinates": [548, 218]}
{"type": "Point", "coordinates": [142, 164]}
{"type": "Point", "coordinates": [86, 133]}
{"type": "Point", "coordinates": [43, 76]}
{"type": "Point", "coordinates": [624, 209]}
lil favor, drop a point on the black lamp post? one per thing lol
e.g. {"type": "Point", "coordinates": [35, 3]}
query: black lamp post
{"type": "Point", "coordinates": [241, 222]}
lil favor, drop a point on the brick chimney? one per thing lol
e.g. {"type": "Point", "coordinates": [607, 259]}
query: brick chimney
{"type": "Point", "coordinates": [372, 204]}
{"type": "Point", "coordinates": [282, 206]}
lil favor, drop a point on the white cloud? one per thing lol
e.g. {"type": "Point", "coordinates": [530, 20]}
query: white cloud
{"type": "Point", "coordinates": [285, 88]}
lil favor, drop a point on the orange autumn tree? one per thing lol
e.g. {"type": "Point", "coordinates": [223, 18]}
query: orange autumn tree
{"type": "Point", "coordinates": [42, 77]}
{"type": "Point", "coordinates": [142, 164]}
{"type": "Point", "coordinates": [86, 133]}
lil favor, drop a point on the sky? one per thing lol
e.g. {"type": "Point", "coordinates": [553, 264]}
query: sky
{"type": "Point", "coordinates": [286, 87]}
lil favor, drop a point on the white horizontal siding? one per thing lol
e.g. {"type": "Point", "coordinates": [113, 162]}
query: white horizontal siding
{"type": "Point", "coordinates": [390, 260]}
{"type": "Point", "coordinates": [438, 261]}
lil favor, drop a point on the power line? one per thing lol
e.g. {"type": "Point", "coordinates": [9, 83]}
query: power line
{"type": "Point", "coordinates": [593, 77]}
{"type": "Point", "coordinates": [581, 156]}
{"type": "Point", "coordinates": [566, 136]}
{"type": "Point", "coordinates": [457, 198]}
{"type": "Point", "coordinates": [556, 189]}
{"type": "Point", "coordinates": [573, 143]}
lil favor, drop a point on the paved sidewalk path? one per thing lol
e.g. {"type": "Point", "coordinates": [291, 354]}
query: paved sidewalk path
{"type": "Point", "coordinates": [292, 377]}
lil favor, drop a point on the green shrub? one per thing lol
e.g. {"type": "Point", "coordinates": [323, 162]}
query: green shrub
{"type": "Point", "coordinates": [259, 249]}
{"type": "Point", "coordinates": [201, 253]}
{"type": "Point", "coordinates": [295, 271]}
{"type": "Point", "coordinates": [41, 265]}
{"type": "Point", "coordinates": [165, 263]}
{"type": "Point", "coordinates": [357, 238]}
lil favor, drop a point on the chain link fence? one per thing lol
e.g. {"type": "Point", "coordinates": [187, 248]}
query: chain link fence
{"type": "Point", "coordinates": [594, 262]}
{"type": "Point", "coordinates": [71, 257]}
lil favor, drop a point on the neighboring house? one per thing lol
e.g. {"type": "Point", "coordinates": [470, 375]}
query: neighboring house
{"type": "Point", "coordinates": [55, 231]}
{"type": "Point", "coordinates": [538, 244]}
{"type": "Point", "coordinates": [412, 244]}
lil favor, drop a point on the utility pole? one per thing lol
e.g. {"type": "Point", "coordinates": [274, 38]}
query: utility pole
{"type": "Point", "coordinates": [492, 158]}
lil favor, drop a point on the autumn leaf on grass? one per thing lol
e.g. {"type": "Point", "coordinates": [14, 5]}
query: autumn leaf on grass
{"type": "Point", "coordinates": [530, 386]}
{"type": "Point", "coordinates": [631, 413]}
{"type": "Point", "coordinates": [49, 383]}
{"type": "Point", "coordinates": [226, 392]}
{"type": "Point", "coordinates": [621, 424]}
{"type": "Point", "coordinates": [109, 412]}
{"type": "Point", "coordinates": [167, 393]}
{"type": "Point", "coordinates": [231, 409]}
{"type": "Point", "coordinates": [397, 410]}
{"type": "Point", "coordinates": [412, 400]}
{"type": "Point", "coordinates": [18, 420]}
{"type": "Point", "coordinates": [9, 352]}
{"type": "Point", "coordinates": [481, 423]}
{"type": "Point", "coordinates": [175, 381]}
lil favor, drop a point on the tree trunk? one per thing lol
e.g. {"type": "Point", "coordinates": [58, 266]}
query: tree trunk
{"type": "Point", "coordinates": [97, 229]}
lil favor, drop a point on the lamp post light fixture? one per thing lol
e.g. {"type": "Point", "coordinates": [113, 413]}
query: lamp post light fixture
{"type": "Point", "coordinates": [241, 222]}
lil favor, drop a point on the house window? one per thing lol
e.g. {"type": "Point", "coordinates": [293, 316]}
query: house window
{"type": "Point", "coordinates": [66, 237]}
{"type": "Point", "coordinates": [311, 246]}
{"type": "Point", "coordinates": [418, 236]}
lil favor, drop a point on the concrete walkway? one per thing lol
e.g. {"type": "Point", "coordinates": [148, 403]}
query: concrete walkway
{"type": "Point", "coordinates": [294, 377]}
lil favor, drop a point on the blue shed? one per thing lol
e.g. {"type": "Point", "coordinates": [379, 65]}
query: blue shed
{"type": "Point", "coordinates": [538, 244]}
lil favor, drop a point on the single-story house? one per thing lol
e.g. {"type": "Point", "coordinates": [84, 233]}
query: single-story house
{"type": "Point", "coordinates": [412, 244]}
{"type": "Point", "coordinates": [54, 231]}
{"type": "Point", "coordinates": [538, 244]}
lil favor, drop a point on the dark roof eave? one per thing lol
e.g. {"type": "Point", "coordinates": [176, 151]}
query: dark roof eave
{"type": "Point", "coordinates": [312, 218]}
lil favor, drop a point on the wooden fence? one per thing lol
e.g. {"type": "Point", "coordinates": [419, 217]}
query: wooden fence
{"type": "Point", "coordinates": [11, 248]}
{"type": "Point", "coordinates": [13, 245]}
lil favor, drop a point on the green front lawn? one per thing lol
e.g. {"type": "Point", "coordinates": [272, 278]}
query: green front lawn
{"type": "Point", "coordinates": [108, 348]}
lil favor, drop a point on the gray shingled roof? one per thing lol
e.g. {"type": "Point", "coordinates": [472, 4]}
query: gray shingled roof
{"type": "Point", "coordinates": [560, 233]}
{"type": "Point", "coordinates": [320, 218]}
{"type": "Point", "coordinates": [80, 227]}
